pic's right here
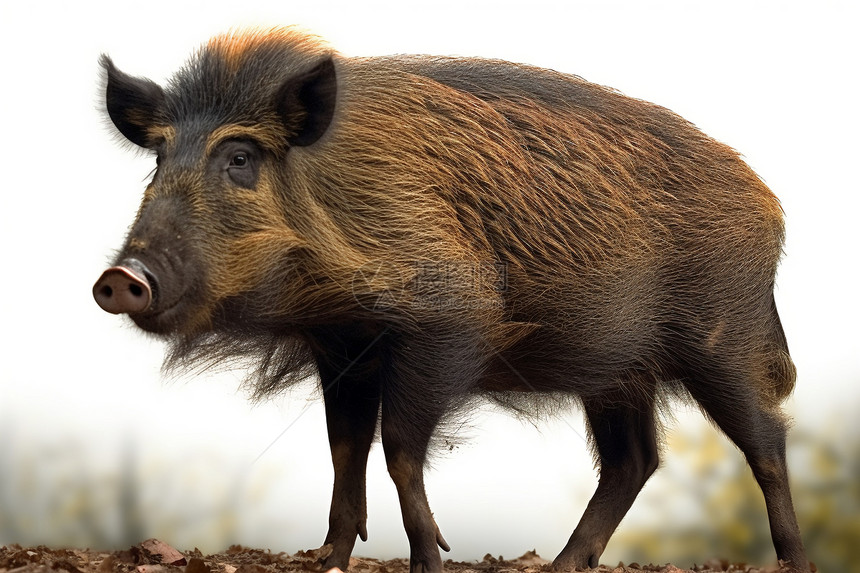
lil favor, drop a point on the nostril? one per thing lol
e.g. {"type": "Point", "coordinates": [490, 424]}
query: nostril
{"type": "Point", "coordinates": [106, 291]}
{"type": "Point", "coordinates": [135, 290]}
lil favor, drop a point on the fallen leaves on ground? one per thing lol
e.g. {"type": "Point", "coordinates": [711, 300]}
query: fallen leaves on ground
{"type": "Point", "coordinates": [154, 556]}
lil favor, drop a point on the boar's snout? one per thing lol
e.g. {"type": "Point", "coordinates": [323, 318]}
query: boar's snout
{"type": "Point", "coordinates": [124, 289]}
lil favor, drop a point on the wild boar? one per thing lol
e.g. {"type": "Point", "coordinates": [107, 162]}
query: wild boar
{"type": "Point", "coordinates": [422, 232]}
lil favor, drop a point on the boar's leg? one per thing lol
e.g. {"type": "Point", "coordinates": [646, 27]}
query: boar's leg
{"type": "Point", "coordinates": [351, 398]}
{"type": "Point", "coordinates": [406, 467]}
{"type": "Point", "coordinates": [351, 416]}
{"type": "Point", "coordinates": [418, 391]}
{"type": "Point", "coordinates": [625, 443]}
{"type": "Point", "coordinates": [759, 431]}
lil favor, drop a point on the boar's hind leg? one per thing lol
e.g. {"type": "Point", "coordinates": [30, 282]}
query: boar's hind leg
{"type": "Point", "coordinates": [625, 442]}
{"type": "Point", "coordinates": [352, 412]}
{"type": "Point", "coordinates": [759, 431]}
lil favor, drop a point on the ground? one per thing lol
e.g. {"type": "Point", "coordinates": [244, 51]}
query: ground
{"type": "Point", "coordinates": [153, 556]}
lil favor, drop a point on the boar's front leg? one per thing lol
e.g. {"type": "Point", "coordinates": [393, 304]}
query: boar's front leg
{"type": "Point", "coordinates": [422, 384]}
{"type": "Point", "coordinates": [405, 448]}
{"type": "Point", "coordinates": [352, 411]}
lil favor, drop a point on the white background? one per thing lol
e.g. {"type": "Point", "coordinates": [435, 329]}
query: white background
{"type": "Point", "coordinates": [776, 80]}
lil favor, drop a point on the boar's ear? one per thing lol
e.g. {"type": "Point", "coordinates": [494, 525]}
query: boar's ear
{"type": "Point", "coordinates": [132, 103]}
{"type": "Point", "coordinates": [306, 103]}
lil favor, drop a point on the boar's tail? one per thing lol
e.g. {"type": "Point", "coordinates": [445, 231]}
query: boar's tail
{"type": "Point", "coordinates": [781, 370]}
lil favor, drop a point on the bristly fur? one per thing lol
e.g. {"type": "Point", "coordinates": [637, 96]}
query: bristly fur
{"type": "Point", "coordinates": [604, 210]}
{"type": "Point", "coordinates": [422, 231]}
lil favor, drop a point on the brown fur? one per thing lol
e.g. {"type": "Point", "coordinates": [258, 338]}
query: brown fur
{"type": "Point", "coordinates": [425, 230]}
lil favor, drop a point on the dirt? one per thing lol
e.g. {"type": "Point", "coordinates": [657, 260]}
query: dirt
{"type": "Point", "coordinates": [154, 556]}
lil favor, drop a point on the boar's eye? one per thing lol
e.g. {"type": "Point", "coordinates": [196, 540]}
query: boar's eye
{"type": "Point", "coordinates": [239, 162]}
{"type": "Point", "coordinates": [239, 159]}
